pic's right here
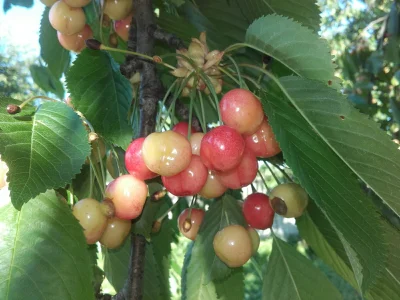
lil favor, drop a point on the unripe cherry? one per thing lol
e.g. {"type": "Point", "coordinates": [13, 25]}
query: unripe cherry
{"type": "Point", "coordinates": [188, 182]}
{"type": "Point", "coordinates": [243, 174]}
{"type": "Point", "coordinates": [166, 153]}
{"type": "Point", "coordinates": [183, 128]}
{"type": "Point", "coordinates": [263, 142]}
{"type": "Point", "coordinates": [241, 110]}
{"type": "Point", "coordinates": [134, 162]}
{"type": "Point", "coordinates": [77, 3]}
{"type": "Point", "coordinates": [222, 148]}
{"type": "Point", "coordinates": [255, 239]}
{"type": "Point", "coordinates": [75, 42]}
{"type": "Point", "coordinates": [117, 9]}
{"type": "Point", "coordinates": [189, 227]}
{"type": "Point", "coordinates": [195, 142]}
{"type": "Point", "coordinates": [91, 216]}
{"type": "Point", "coordinates": [257, 211]}
{"type": "Point", "coordinates": [233, 245]}
{"type": "Point", "coordinates": [115, 233]}
{"type": "Point", "coordinates": [289, 200]}
{"type": "Point", "coordinates": [213, 188]}
{"type": "Point", "coordinates": [128, 195]}
{"type": "Point", "coordinates": [121, 27]}
{"type": "Point", "coordinates": [66, 19]}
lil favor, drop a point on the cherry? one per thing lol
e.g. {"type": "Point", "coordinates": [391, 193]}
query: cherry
{"type": "Point", "coordinates": [97, 146]}
{"type": "Point", "coordinates": [241, 110]}
{"type": "Point", "coordinates": [189, 227]}
{"type": "Point", "coordinates": [91, 216]}
{"type": "Point", "coordinates": [255, 239]}
{"type": "Point", "coordinates": [263, 142]}
{"type": "Point", "coordinates": [75, 42]}
{"type": "Point", "coordinates": [134, 162]}
{"type": "Point", "coordinates": [121, 27]}
{"type": "Point", "coordinates": [183, 128]}
{"type": "Point", "coordinates": [243, 174]}
{"type": "Point", "coordinates": [188, 182]}
{"type": "Point", "coordinates": [257, 211]}
{"type": "Point", "coordinates": [128, 195]}
{"type": "Point", "coordinates": [68, 20]}
{"type": "Point", "coordinates": [77, 3]}
{"type": "Point", "coordinates": [48, 3]}
{"type": "Point", "coordinates": [3, 172]}
{"type": "Point", "coordinates": [233, 245]}
{"type": "Point", "coordinates": [289, 200]}
{"type": "Point", "coordinates": [115, 233]}
{"type": "Point", "coordinates": [195, 142]}
{"type": "Point", "coordinates": [117, 9]}
{"type": "Point", "coordinates": [213, 188]}
{"type": "Point", "coordinates": [166, 153]}
{"type": "Point", "coordinates": [222, 148]}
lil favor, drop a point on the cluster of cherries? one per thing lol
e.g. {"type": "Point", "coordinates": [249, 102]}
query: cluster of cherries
{"type": "Point", "coordinates": [68, 18]}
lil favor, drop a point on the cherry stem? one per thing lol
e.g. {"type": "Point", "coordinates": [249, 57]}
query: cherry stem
{"type": "Point", "coordinates": [256, 267]}
{"type": "Point", "coordinates": [242, 84]}
{"type": "Point", "coordinates": [160, 219]}
{"type": "Point", "coordinates": [192, 96]}
{"type": "Point", "coordinates": [263, 180]}
{"type": "Point", "coordinates": [36, 97]}
{"type": "Point", "coordinates": [103, 175]}
{"type": "Point", "coordinates": [165, 99]}
{"type": "Point", "coordinates": [116, 158]}
{"type": "Point", "coordinates": [253, 188]}
{"type": "Point", "coordinates": [97, 176]}
{"type": "Point", "coordinates": [272, 173]}
{"type": "Point", "coordinates": [203, 115]}
{"type": "Point", "coordinates": [283, 172]}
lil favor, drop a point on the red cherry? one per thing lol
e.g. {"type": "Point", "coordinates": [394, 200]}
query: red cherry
{"type": "Point", "coordinates": [257, 211]}
{"type": "Point", "coordinates": [190, 227]}
{"type": "Point", "coordinates": [134, 162]}
{"type": "Point", "coordinates": [75, 42]}
{"type": "Point", "coordinates": [243, 174]}
{"type": "Point", "coordinates": [183, 128]}
{"type": "Point", "coordinates": [121, 27]}
{"type": "Point", "coordinates": [241, 110]}
{"type": "Point", "coordinates": [263, 142]}
{"type": "Point", "coordinates": [128, 195]}
{"type": "Point", "coordinates": [188, 182]}
{"type": "Point", "coordinates": [222, 148]}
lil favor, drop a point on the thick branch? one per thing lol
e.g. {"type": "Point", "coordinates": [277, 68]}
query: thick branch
{"type": "Point", "coordinates": [168, 38]}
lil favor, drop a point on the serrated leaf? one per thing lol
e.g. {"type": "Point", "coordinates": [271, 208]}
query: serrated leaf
{"type": "Point", "coordinates": [56, 57]}
{"type": "Point", "coordinates": [43, 252]}
{"type": "Point", "coordinates": [295, 46]}
{"type": "Point", "coordinates": [46, 81]}
{"type": "Point", "coordinates": [290, 276]}
{"type": "Point", "coordinates": [43, 151]}
{"type": "Point", "coordinates": [102, 94]}
{"type": "Point", "coordinates": [357, 140]}
{"type": "Point", "coordinates": [222, 213]}
{"type": "Point", "coordinates": [331, 185]}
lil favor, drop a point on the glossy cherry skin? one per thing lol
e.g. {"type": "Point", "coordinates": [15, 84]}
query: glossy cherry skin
{"type": "Point", "coordinates": [3, 172]}
{"type": "Point", "coordinates": [255, 239]}
{"type": "Point", "coordinates": [196, 218]}
{"type": "Point", "coordinates": [195, 142]}
{"type": "Point", "coordinates": [90, 215]}
{"type": "Point", "coordinates": [213, 188]}
{"type": "Point", "coordinates": [134, 162]}
{"type": "Point", "coordinates": [121, 27]}
{"type": "Point", "coordinates": [166, 153]}
{"type": "Point", "coordinates": [77, 3]}
{"type": "Point", "coordinates": [222, 148]}
{"type": "Point", "coordinates": [257, 211]}
{"type": "Point", "coordinates": [183, 128]}
{"type": "Point", "coordinates": [233, 245]}
{"type": "Point", "coordinates": [117, 9]}
{"type": "Point", "coordinates": [75, 42]}
{"type": "Point", "coordinates": [243, 174]}
{"type": "Point", "coordinates": [188, 182]}
{"type": "Point", "coordinates": [115, 233]}
{"type": "Point", "coordinates": [128, 195]}
{"type": "Point", "coordinates": [68, 20]}
{"type": "Point", "coordinates": [289, 200]}
{"type": "Point", "coordinates": [263, 142]}
{"type": "Point", "coordinates": [241, 110]}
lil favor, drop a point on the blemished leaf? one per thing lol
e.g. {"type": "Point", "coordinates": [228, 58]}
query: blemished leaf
{"type": "Point", "coordinates": [43, 151]}
{"type": "Point", "coordinates": [357, 140]}
{"type": "Point", "coordinates": [290, 276]}
{"type": "Point", "coordinates": [56, 57]}
{"type": "Point", "coordinates": [196, 287]}
{"type": "Point", "coordinates": [222, 213]}
{"type": "Point", "coordinates": [314, 238]}
{"type": "Point", "coordinates": [295, 46]}
{"type": "Point", "coordinates": [46, 81]}
{"type": "Point", "coordinates": [43, 252]}
{"type": "Point", "coordinates": [102, 95]}
{"type": "Point", "coordinates": [332, 185]}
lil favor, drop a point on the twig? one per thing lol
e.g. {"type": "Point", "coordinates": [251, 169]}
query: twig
{"type": "Point", "coordinates": [168, 38]}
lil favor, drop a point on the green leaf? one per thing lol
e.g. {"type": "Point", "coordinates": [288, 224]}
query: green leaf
{"type": "Point", "coordinates": [152, 282]}
{"type": "Point", "coordinates": [102, 94]}
{"type": "Point", "coordinates": [116, 264]}
{"type": "Point", "coordinates": [222, 213]}
{"type": "Point", "coordinates": [290, 275]}
{"type": "Point", "coordinates": [392, 47]}
{"type": "Point", "coordinates": [178, 25]}
{"type": "Point", "coordinates": [332, 185]}
{"type": "Point", "coordinates": [46, 81]}
{"type": "Point", "coordinates": [357, 140]}
{"type": "Point", "coordinates": [43, 151]}
{"type": "Point", "coordinates": [43, 252]}
{"type": "Point", "coordinates": [295, 46]}
{"type": "Point", "coordinates": [56, 57]}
